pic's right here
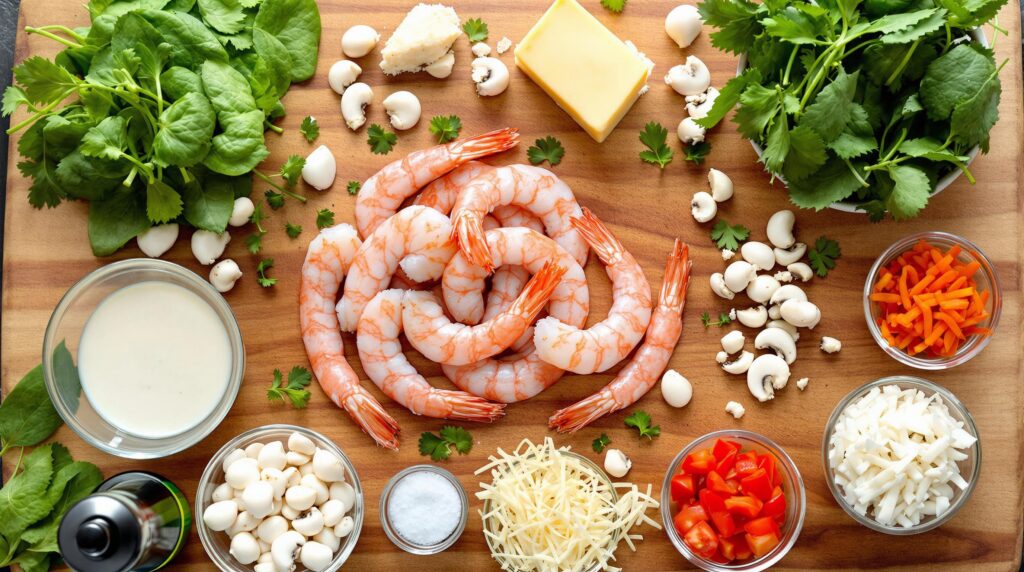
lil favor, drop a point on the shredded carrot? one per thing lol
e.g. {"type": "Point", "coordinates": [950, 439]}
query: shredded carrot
{"type": "Point", "coordinates": [929, 301]}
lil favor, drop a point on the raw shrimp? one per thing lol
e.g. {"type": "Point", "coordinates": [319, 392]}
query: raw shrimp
{"type": "Point", "coordinates": [537, 190]}
{"type": "Point", "coordinates": [506, 379]}
{"type": "Point", "coordinates": [380, 350]}
{"type": "Point", "coordinates": [327, 260]}
{"type": "Point", "coordinates": [647, 365]}
{"type": "Point", "coordinates": [506, 285]}
{"type": "Point", "coordinates": [443, 341]}
{"type": "Point", "coordinates": [607, 342]}
{"type": "Point", "coordinates": [417, 238]}
{"type": "Point", "coordinates": [383, 193]}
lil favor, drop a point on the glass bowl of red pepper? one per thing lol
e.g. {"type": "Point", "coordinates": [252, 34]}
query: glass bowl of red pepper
{"type": "Point", "coordinates": [733, 500]}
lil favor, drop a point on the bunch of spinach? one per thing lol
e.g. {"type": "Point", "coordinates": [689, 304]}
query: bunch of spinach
{"type": "Point", "coordinates": [167, 104]}
{"type": "Point", "coordinates": [870, 102]}
{"type": "Point", "coordinates": [45, 482]}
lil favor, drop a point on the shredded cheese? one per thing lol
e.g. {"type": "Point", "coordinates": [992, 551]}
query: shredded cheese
{"type": "Point", "coordinates": [547, 509]}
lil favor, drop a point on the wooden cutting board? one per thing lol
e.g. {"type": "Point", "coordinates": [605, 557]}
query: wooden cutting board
{"type": "Point", "coordinates": [47, 251]}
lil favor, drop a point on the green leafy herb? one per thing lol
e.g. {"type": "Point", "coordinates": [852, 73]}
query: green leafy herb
{"type": "Point", "coordinates": [309, 128]}
{"type": "Point", "coordinates": [475, 29]}
{"type": "Point", "coordinates": [653, 137]}
{"type": "Point", "coordinates": [869, 103]}
{"type": "Point", "coordinates": [823, 256]}
{"type": "Point", "coordinates": [254, 242]}
{"type": "Point", "coordinates": [274, 199]}
{"type": "Point", "coordinates": [380, 141]}
{"type": "Point", "coordinates": [547, 149]}
{"type": "Point", "coordinates": [292, 230]}
{"type": "Point", "coordinates": [353, 187]}
{"type": "Point", "coordinates": [726, 236]}
{"type": "Point", "coordinates": [614, 5]}
{"type": "Point", "coordinates": [291, 170]}
{"type": "Point", "coordinates": [641, 421]}
{"type": "Point", "coordinates": [261, 273]}
{"type": "Point", "coordinates": [723, 320]}
{"type": "Point", "coordinates": [600, 443]}
{"type": "Point", "coordinates": [697, 152]}
{"type": "Point", "coordinates": [324, 218]}
{"type": "Point", "coordinates": [445, 127]}
{"type": "Point", "coordinates": [439, 447]}
{"type": "Point", "coordinates": [294, 389]}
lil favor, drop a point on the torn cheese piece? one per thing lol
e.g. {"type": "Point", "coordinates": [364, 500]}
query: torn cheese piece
{"type": "Point", "coordinates": [591, 74]}
{"type": "Point", "coordinates": [425, 35]}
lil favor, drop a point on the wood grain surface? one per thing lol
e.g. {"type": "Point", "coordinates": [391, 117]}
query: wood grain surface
{"type": "Point", "coordinates": [47, 251]}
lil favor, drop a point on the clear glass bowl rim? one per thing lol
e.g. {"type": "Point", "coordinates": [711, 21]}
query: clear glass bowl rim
{"type": "Point", "coordinates": [975, 344]}
{"type": "Point", "coordinates": [404, 544]}
{"type": "Point", "coordinates": [208, 293]}
{"type": "Point", "coordinates": [757, 565]}
{"type": "Point", "coordinates": [952, 402]}
{"type": "Point", "coordinates": [240, 441]}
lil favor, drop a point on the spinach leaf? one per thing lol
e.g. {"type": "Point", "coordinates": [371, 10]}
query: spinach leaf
{"type": "Point", "coordinates": [275, 70]}
{"type": "Point", "coordinates": [22, 499]}
{"type": "Point", "coordinates": [27, 416]}
{"type": "Point", "coordinates": [66, 375]}
{"type": "Point", "coordinates": [296, 23]}
{"type": "Point", "coordinates": [186, 127]}
{"type": "Point", "coordinates": [239, 147]}
{"type": "Point", "coordinates": [133, 32]}
{"type": "Point", "coordinates": [225, 16]}
{"type": "Point", "coordinates": [89, 178]}
{"type": "Point", "coordinates": [191, 43]}
{"type": "Point", "coordinates": [208, 204]}
{"type": "Point", "coordinates": [116, 219]}
{"type": "Point", "coordinates": [177, 82]}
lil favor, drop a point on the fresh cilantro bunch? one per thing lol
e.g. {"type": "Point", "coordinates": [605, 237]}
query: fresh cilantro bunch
{"type": "Point", "coordinates": [156, 111]}
{"type": "Point", "coordinates": [869, 102]}
{"type": "Point", "coordinates": [439, 447]}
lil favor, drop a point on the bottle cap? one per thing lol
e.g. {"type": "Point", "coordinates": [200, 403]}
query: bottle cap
{"type": "Point", "coordinates": [100, 533]}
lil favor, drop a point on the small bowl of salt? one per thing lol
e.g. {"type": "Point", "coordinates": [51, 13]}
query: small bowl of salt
{"type": "Point", "coordinates": [424, 509]}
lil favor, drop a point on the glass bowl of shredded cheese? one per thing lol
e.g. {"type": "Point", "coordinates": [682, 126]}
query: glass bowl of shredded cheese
{"type": "Point", "coordinates": [901, 455]}
{"type": "Point", "coordinates": [548, 509]}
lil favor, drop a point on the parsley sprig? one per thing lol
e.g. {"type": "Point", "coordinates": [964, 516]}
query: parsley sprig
{"type": "Point", "coordinates": [353, 187]}
{"type": "Point", "coordinates": [445, 127]}
{"type": "Point", "coordinates": [261, 273]}
{"type": "Point", "coordinates": [294, 389]}
{"type": "Point", "coordinates": [547, 149]}
{"type": "Point", "coordinates": [381, 142]}
{"type": "Point", "coordinates": [439, 447]}
{"type": "Point", "coordinates": [601, 442]}
{"type": "Point", "coordinates": [290, 172]}
{"type": "Point", "coordinates": [254, 242]}
{"type": "Point", "coordinates": [614, 5]}
{"type": "Point", "coordinates": [324, 218]}
{"type": "Point", "coordinates": [475, 29]}
{"type": "Point", "coordinates": [823, 256]}
{"type": "Point", "coordinates": [309, 128]}
{"type": "Point", "coordinates": [658, 152]}
{"type": "Point", "coordinates": [641, 421]}
{"type": "Point", "coordinates": [723, 319]}
{"type": "Point", "coordinates": [697, 152]}
{"type": "Point", "coordinates": [728, 236]}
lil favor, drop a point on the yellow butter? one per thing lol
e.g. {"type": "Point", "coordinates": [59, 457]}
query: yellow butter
{"type": "Point", "coordinates": [588, 71]}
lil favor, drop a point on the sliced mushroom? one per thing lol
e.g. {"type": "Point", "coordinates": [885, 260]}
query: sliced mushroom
{"type": "Point", "coordinates": [353, 104]}
{"type": "Point", "coordinates": [788, 292]}
{"type": "Point", "coordinates": [767, 373]}
{"type": "Point", "coordinates": [761, 288]}
{"type": "Point", "coordinates": [801, 314]}
{"type": "Point", "coordinates": [718, 286]}
{"type": "Point", "coordinates": [689, 132]}
{"type": "Point", "coordinates": [733, 341]}
{"type": "Point", "coordinates": [490, 75]}
{"type": "Point", "coordinates": [754, 317]}
{"type": "Point", "coordinates": [699, 105]}
{"type": "Point", "coordinates": [739, 274]}
{"type": "Point", "coordinates": [721, 185]}
{"type": "Point", "coordinates": [780, 229]}
{"type": "Point", "coordinates": [343, 74]}
{"type": "Point", "coordinates": [784, 326]}
{"type": "Point", "coordinates": [738, 365]}
{"type": "Point", "coordinates": [778, 341]}
{"type": "Point", "coordinates": [791, 255]}
{"type": "Point", "coordinates": [759, 254]}
{"type": "Point", "coordinates": [801, 270]}
{"type": "Point", "coordinates": [689, 78]}
{"type": "Point", "coordinates": [703, 206]}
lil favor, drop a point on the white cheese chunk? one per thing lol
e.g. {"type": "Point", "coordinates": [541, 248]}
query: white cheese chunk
{"type": "Point", "coordinates": [424, 36]}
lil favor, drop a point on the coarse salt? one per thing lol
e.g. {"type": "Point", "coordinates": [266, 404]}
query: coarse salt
{"type": "Point", "coordinates": [424, 508]}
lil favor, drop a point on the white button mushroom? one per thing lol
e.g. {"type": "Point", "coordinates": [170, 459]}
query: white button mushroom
{"type": "Point", "coordinates": [208, 246]}
{"type": "Point", "coordinates": [224, 274]}
{"type": "Point", "coordinates": [267, 566]}
{"type": "Point", "coordinates": [328, 539]}
{"type": "Point", "coordinates": [689, 78]}
{"type": "Point", "coordinates": [253, 450]}
{"type": "Point", "coordinates": [309, 522]}
{"type": "Point", "coordinates": [258, 498]}
{"type": "Point", "coordinates": [272, 456]}
{"type": "Point", "coordinates": [490, 76]}
{"type": "Point", "coordinates": [481, 50]}
{"type": "Point", "coordinates": [231, 458]}
{"type": "Point", "coordinates": [344, 527]}
{"type": "Point", "coordinates": [220, 515]}
{"type": "Point", "coordinates": [774, 313]}
{"type": "Point", "coordinates": [244, 548]}
{"type": "Point", "coordinates": [316, 556]}
{"type": "Point", "coordinates": [689, 132]}
{"type": "Point", "coordinates": [276, 479]}
{"type": "Point", "coordinates": [318, 486]}
{"type": "Point", "coordinates": [753, 317]}
{"type": "Point", "coordinates": [156, 240]}
{"type": "Point", "coordinates": [791, 255]}
{"type": "Point", "coordinates": [738, 365]}
{"type": "Point", "coordinates": [780, 229]}
{"type": "Point", "coordinates": [358, 41]}
{"type": "Point", "coordinates": [285, 550]}
{"type": "Point", "coordinates": [738, 275]}
{"type": "Point", "coordinates": [353, 104]}
{"type": "Point", "coordinates": [699, 105]}
{"type": "Point", "coordinates": [767, 373]}
{"type": "Point", "coordinates": [785, 326]}
{"type": "Point", "coordinates": [830, 345]}
{"type": "Point", "coordinates": [735, 409]}
{"type": "Point", "coordinates": [333, 511]}
{"type": "Point", "coordinates": [703, 207]}
{"type": "Point", "coordinates": [306, 469]}
{"type": "Point", "coordinates": [718, 286]}
{"type": "Point", "coordinates": [800, 313]}
{"type": "Point", "coordinates": [442, 67]}
{"type": "Point", "coordinates": [777, 340]}
{"type": "Point", "coordinates": [683, 24]}
{"type": "Point", "coordinates": [801, 270]}
{"type": "Point", "coordinates": [345, 493]}
{"type": "Point", "coordinates": [320, 168]}
{"type": "Point", "coordinates": [296, 459]}
{"type": "Point", "coordinates": [300, 497]}
{"type": "Point", "coordinates": [788, 292]}
{"type": "Point", "coordinates": [271, 528]}
{"type": "Point", "coordinates": [289, 512]}
{"type": "Point", "coordinates": [616, 463]}
{"type": "Point", "coordinates": [222, 492]}
{"type": "Point", "coordinates": [301, 444]}
{"type": "Point", "coordinates": [242, 473]}
{"type": "Point", "coordinates": [759, 254]}
{"type": "Point", "coordinates": [403, 108]}
{"type": "Point", "coordinates": [327, 466]}
{"type": "Point", "coordinates": [721, 185]}
{"type": "Point", "coordinates": [241, 210]}
{"type": "Point", "coordinates": [676, 389]}
{"type": "Point", "coordinates": [761, 288]}
{"type": "Point", "coordinates": [343, 74]}
{"type": "Point", "coordinates": [291, 476]}
{"type": "Point", "coordinates": [733, 341]}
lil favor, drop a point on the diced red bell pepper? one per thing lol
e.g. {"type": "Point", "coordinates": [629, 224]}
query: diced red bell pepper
{"type": "Point", "coordinates": [686, 518]}
{"type": "Point", "coordinates": [746, 463]}
{"type": "Point", "coordinates": [716, 483]}
{"type": "Point", "coordinates": [699, 462]}
{"type": "Point", "coordinates": [724, 523]}
{"type": "Point", "coordinates": [761, 544]}
{"type": "Point", "coordinates": [711, 501]}
{"type": "Point", "coordinates": [745, 506]}
{"type": "Point", "coordinates": [723, 448]}
{"type": "Point", "coordinates": [762, 526]}
{"type": "Point", "coordinates": [770, 466]}
{"type": "Point", "coordinates": [757, 484]}
{"type": "Point", "coordinates": [684, 488]}
{"type": "Point", "coordinates": [727, 546]}
{"type": "Point", "coordinates": [726, 463]}
{"type": "Point", "coordinates": [702, 540]}
{"type": "Point", "coordinates": [775, 506]}
{"type": "Point", "coordinates": [743, 551]}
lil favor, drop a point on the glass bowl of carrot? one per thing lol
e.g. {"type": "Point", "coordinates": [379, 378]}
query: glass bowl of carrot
{"type": "Point", "coordinates": [932, 300]}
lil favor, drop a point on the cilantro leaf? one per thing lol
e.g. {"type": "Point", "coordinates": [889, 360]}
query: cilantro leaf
{"type": "Point", "coordinates": [292, 230]}
{"type": "Point", "coordinates": [459, 437]}
{"type": "Point", "coordinates": [726, 236]}
{"type": "Point", "coordinates": [653, 137]}
{"type": "Point", "coordinates": [641, 421]}
{"type": "Point", "coordinates": [439, 447]}
{"type": "Point", "coordinates": [600, 443]}
{"type": "Point", "coordinates": [274, 199]}
{"type": "Point", "coordinates": [291, 170]}
{"type": "Point", "coordinates": [723, 320]}
{"type": "Point", "coordinates": [696, 152]}
{"type": "Point", "coordinates": [295, 388]}
{"type": "Point", "coordinates": [261, 273]}
{"type": "Point", "coordinates": [475, 29]}
{"type": "Point", "coordinates": [380, 141]}
{"type": "Point", "coordinates": [434, 446]}
{"type": "Point", "coordinates": [324, 218]}
{"type": "Point", "coordinates": [547, 149]}
{"type": "Point", "coordinates": [614, 5]}
{"type": "Point", "coordinates": [254, 242]}
{"type": "Point", "coordinates": [309, 128]}
{"type": "Point", "coordinates": [445, 127]}
{"type": "Point", "coordinates": [353, 187]}
{"type": "Point", "coordinates": [823, 256]}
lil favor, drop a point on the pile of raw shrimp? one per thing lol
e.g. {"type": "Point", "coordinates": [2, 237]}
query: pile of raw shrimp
{"type": "Point", "coordinates": [521, 227]}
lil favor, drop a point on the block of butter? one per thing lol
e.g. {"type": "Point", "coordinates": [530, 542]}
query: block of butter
{"type": "Point", "coordinates": [589, 72]}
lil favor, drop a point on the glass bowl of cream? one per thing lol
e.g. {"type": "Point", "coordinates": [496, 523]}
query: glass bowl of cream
{"type": "Point", "coordinates": [143, 358]}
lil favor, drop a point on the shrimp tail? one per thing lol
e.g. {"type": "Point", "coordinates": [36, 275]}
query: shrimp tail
{"type": "Point", "coordinates": [467, 407]}
{"type": "Point", "coordinates": [677, 277]}
{"type": "Point", "coordinates": [468, 233]}
{"type": "Point", "coordinates": [583, 412]}
{"type": "Point", "coordinates": [597, 235]}
{"type": "Point", "coordinates": [371, 417]}
{"type": "Point", "coordinates": [537, 291]}
{"type": "Point", "coordinates": [484, 145]}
